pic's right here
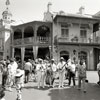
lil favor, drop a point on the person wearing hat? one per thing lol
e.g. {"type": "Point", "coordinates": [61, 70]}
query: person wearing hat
{"type": "Point", "coordinates": [61, 67]}
{"type": "Point", "coordinates": [54, 69]}
{"type": "Point", "coordinates": [40, 68]}
{"type": "Point", "coordinates": [19, 82]}
{"type": "Point", "coordinates": [10, 79]}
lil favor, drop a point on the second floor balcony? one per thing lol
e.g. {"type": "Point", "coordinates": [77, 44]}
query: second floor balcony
{"type": "Point", "coordinates": [78, 40]}
{"type": "Point", "coordinates": [43, 40]}
{"type": "Point", "coordinates": [31, 40]}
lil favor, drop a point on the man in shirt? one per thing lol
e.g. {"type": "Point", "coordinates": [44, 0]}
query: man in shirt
{"type": "Point", "coordinates": [54, 69]}
{"type": "Point", "coordinates": [61, 67]}
{"type": "Point", "coordinates": [28, 70]}
{"type": "Point", "coordinates": [72, 68]}
{"type": "Point", "coordinates": [12, 67]}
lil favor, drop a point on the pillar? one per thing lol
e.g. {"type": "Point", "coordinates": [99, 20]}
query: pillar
{"type": "Point", "coordinates": [50, 52]}
{"type": "Point", "coordinates": [35, 51]}
{"type": "Point", "coordinates": [13, 52]}
{"type": "Point", "coordinates": [22, 54]}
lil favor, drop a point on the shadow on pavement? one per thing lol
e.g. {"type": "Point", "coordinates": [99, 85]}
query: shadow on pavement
{"type": "Point", "coordinates": [35, 87]}
{"type": "Point", "coordinates": [71, 93]}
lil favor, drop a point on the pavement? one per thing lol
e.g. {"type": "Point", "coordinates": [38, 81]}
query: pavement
{"type": "Point", "coordinates": [31, 92]}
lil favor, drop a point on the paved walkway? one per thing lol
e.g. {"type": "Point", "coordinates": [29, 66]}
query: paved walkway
{"type": "Point", "coordinates": [30, 92]}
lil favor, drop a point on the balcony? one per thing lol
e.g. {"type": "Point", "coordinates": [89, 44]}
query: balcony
{"type": "Point", "coordinates": [24, 41]}
{"type": "Point", "coordinates": [79, 40]}
{"type": "Point", "coordinates": [28, 40]}
{"type": "Point", "coordinates": [43, 40]}
{"type": "Point", "coordinates": [17, 42]}
{"type": "Point", "coordinates": [63, 39]}
{"type": "Point", "coordinates": [83, 40]}
{"type": "Point", "coordinates": [97, 40]}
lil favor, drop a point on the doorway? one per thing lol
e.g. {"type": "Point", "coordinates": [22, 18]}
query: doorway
{"type": "Point", "coordinates": [65, 55]}
{"type": "Point", "coordinates": [43, 53]}
{"type": "Point", "coordinates": [28, 54]}
{"type": "Point", "coordinates": [96, 57]}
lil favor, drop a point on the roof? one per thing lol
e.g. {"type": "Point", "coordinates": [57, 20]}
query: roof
{"type": "Point", "coordinates": [22, 24]}
{"type": "Point", "coordinates": [97, 15]}
{"type": "Point", "coordinates": [79, 16]}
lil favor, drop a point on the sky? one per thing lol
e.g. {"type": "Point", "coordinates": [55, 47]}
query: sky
{"type": "Point", "coordinates": [32, 10]}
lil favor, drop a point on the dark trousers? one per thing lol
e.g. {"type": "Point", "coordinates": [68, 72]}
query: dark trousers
{"type": "Point", "coordinates": [27, 75]}
{"type": "Point", "coordinates": [71, 76]}
{"type": "Point", "coordinates": [4, 79]}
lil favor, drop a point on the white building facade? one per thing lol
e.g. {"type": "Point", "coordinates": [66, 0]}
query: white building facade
{"type": "Point", "coordinates": [74, 38]}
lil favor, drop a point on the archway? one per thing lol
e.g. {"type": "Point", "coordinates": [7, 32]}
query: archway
{"type": "Point", "coordinates": [43, 52]}
{"type": "Point", "coordinates": [17, 54]}
{"type": "Point", "coordinates": [82, 55]}
{"type": "Point", "coordinates": [28, 32]}
{"type": "Point", "coordinates": [28, 53]}
{"type": "Point", "coordinates": [64, 54]}
{"type": "Point", "coordinates": [17, 34]}
{"type": "Point", "coordinates": [43, 31]}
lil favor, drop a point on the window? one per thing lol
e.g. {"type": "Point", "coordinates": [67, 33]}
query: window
{"type": "Point", "coordinates": [64, 31]}
{"type": "Point", "coordinates": [83, 33]}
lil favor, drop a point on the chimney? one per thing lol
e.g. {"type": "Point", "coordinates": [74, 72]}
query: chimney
{"type": "Point", "coordinates": [48, 16]}
{"type": "Point", "coordinates": [82, 10]}
{"type": "Point", "coordinates": [49, 7]}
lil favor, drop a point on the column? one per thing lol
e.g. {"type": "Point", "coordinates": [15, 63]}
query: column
{"type": "Point", "coordinates": [35, 51]}
{"type": "Point", "coordinates": [22, 54]}
{"type": "Point", "coordinates": [50, 51]}
{"type": "Point", "coordinates": [13, 52]}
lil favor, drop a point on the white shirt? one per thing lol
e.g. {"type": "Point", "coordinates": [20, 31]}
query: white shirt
{"type": "Point", "coordinates": [54, 67]}
{"type": "Point", "coordinates": [73, 67]}
{"type": "Point", "coordinates": [40, 67]}
{"type": "Point", "coordinates": [98, 66]}
{"type": "Point", "coordinates": [61, 65]}
{"type": "Point", "coordinates": [13, 66]}
{"type": "Point", "coordinates": [10, 69]}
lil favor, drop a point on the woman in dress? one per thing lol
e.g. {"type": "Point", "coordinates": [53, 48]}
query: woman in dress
{"type": "Point", "coordinates": [49, 74]}
{"type": "Point", "coordinates": [82, 75]}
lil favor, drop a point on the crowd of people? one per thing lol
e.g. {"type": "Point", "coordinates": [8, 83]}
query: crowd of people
{"type": "Point", "coordinates": [44, 73]}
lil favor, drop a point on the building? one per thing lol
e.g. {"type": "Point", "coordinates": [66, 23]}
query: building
{"type": "Point", "coordinates": [5, 32]}
{"type": "Point", "coordinates": [75, 37]}
{"type": "Point", "coordinates": [32, 40]}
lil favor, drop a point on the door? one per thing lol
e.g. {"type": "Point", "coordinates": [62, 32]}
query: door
{"type": "Point", "coordinates": [96, 57]}
{"type": "Point", "coordinates": [65, 55]}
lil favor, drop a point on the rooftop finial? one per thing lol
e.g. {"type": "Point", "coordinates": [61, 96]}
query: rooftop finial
{"type": "Point", "coordinates": [7, 3]}
{"type": "Point", "coordinates": [48, 6]}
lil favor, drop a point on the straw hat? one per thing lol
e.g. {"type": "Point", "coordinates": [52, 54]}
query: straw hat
{"type": "Point", "coordinates": [61, 58]}
{"type": "Point", "coordinates": [40, 60]}
{"type": "Point", "coordinates": [52, 60]}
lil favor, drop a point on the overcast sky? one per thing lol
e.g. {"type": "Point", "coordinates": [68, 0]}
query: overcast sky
{"type": "Point", "coordinates": [30, 10]}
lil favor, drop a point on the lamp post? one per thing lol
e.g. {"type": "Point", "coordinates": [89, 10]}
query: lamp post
{"type": "Point", "coordinates": [50, 48]}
